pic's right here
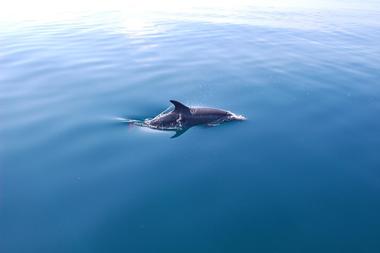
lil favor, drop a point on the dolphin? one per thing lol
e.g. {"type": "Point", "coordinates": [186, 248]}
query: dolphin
{"type": "Point", "coordinates": [183, 117]}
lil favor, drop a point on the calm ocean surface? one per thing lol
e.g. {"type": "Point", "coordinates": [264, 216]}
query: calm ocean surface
{"type": "Point", "coordinates": [302, 174]}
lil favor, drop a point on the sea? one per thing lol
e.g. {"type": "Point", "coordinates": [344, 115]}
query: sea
{"type": "Point", "coordinates": [301, 174]}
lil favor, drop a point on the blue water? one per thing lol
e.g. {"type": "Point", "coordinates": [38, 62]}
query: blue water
{"type": "Point", "coordinates": [302, 174]}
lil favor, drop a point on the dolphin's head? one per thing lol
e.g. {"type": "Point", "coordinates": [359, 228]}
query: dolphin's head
{"type": "Point", "coordinates": [226, 116]}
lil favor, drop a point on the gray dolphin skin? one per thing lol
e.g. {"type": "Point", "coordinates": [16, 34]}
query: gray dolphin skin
{"type": "Point", "coordinates": [183, 117]}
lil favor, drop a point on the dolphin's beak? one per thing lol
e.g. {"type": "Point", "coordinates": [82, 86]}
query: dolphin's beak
{"type": "Point", "coordinates": [240, 117]}
{"type": "Point", "coordinates": [237, 117]}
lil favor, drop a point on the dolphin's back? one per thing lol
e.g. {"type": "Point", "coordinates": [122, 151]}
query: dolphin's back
{"type": "Point", "coordinates": [206, 115]}
{"type": "Point", "coordinates": [208, 111]}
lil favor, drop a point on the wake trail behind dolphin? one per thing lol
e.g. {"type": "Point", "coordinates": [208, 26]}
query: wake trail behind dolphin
{"type": "Point", "coordinates": [134, 122]}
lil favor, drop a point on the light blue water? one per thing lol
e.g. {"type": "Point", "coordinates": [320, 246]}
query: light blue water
{"type": "Point", "coordinates": [302, 174]}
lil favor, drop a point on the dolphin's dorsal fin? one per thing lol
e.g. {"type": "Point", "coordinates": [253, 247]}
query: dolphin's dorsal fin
{"type": "Point", "coordinates": [179, 107]}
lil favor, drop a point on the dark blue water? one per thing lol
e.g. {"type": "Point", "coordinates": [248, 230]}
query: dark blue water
{"type": "Point", "coordinates": [302, 174]}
